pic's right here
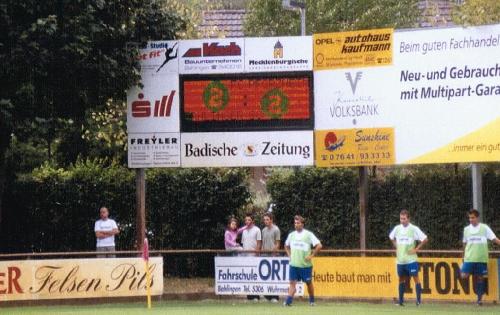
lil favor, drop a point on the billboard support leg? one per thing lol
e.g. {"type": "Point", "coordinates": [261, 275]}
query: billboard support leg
{"type": "Point", "coordinates": [477, 187]}
{"type": "Point", "coordinates": [363, 204]}
{"type": "Point", "coordinates": [140, 205]}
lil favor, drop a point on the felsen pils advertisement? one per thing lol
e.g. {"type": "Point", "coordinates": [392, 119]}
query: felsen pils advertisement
{"type": "Point", "coordinates": [438, 102]}
{"type": "Point", "coordinates": [78, 278]}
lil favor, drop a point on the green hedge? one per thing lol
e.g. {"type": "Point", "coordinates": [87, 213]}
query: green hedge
{"type": "Point", "coordinates": [55, 209]}
{"type": "Point", "coordinates": [437, 197]}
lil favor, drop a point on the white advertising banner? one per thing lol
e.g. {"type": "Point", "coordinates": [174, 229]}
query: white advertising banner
{"type": "Point", "coordinates": [159, 58]}
{"type": "Point", "coordinates": [224, 149]}
{"type": "Point", "coordinates": [439, 102]}
{"type": "Point", "coordinates": [276, 54]}
{"type": "Point", "coordinates": [155, 107]}
{"type": "Point", "coordinates": [161, 149]}
{"type": "Point", "coordinates": [246, 275]}
{"type": "Point", "coordinates": [221, 55]}
{"type": "Point", "coordinates": [78, 278]}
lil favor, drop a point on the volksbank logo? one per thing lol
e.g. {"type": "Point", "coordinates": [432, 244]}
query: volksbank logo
{"type": "Point", "coordinates": [353, 81]}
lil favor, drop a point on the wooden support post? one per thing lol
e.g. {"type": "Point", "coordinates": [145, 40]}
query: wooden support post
{"type": "Point", "coordinates": [363, 204]}
{"type": "Point", "coordinates": [140, 205]}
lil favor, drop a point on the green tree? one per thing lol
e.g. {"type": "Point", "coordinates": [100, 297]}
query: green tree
{"type": "Point", "coordinates": [105, 131]}
{"type": "Point", "coordinates": [62, 57]}
{"type": "Point", "coordinates": [268, 18]}
{"type": "Point", "coordinates": [477, 12]}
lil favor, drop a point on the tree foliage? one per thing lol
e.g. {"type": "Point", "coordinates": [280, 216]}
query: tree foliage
{"type": "Point", "coordinates": [477, 12]}
{"type": "Point", "coordinates": [105, 131]}
{"type": "Point", "coordinates": [268, 18]}
{"type": "Point", "coordinates": [61, 58]}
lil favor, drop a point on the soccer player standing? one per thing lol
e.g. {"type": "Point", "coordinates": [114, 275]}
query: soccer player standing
{"type": "Point", "coordinates": [475, 239]}
{"type": "Point", "coordinates": [301, 246]}
{"type": "Point", "coordinates": [403, 237]}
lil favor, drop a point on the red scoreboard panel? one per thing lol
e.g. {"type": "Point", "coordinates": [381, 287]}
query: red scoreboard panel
{"type": "Point", "coordinates": [247, 102]}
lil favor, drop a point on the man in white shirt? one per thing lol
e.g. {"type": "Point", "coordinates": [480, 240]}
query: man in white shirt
{"type": "Point", "coordinates": [271, 241]}
{"type": "Point", "coordinates": [105, 231]}
{"type": "Point", "coordinates": [251, 239]}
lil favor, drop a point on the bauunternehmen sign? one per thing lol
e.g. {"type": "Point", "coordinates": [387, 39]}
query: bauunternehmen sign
{"type": "Point", "coordinates": [78, 278]}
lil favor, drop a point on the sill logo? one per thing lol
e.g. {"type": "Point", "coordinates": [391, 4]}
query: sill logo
{"type": "Point", "coordinates": [142, 108]}
{"type": "Point", "coordinates": [332, 142]}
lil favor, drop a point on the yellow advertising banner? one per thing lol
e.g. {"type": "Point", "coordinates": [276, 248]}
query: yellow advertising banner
{"type": "Point", "coordinates": [78, 278]}
{"type": "Point", "coordinates": [482, 144]}
{"type": "Point", "coordinates": [354, 147]}
{"type": "Point", "coordinates": [376, 277]}
{"type": "Point", "coordinates": [353, 49]}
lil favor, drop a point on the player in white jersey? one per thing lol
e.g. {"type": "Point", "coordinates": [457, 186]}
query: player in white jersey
{"type": "Point", "coordinates": [301, 246]}
{"type": "Point", "coordinates": [476, 236]}
{"type": "Point", "coordinates": [404, 237]}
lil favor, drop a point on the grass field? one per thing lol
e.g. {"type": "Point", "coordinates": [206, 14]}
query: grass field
{"type": "Point", "coordinates": [250, 308]}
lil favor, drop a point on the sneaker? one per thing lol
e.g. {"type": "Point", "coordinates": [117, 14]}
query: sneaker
{"type": "Point", "coordinates": [286, 304]}
{"type": "Point", "coordinates": [312, 304]}
{"type": "Point", "coordinates": [479, 303]}
{"type": "Point", "coordinates": [418, 303]}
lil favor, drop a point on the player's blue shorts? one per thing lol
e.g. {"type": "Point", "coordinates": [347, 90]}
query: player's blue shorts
{"type": "Point", "coordinates": [475, 268]}
{"type": "Point", "coordinates": [300, 274]}
{"type": "Point", "coordinates": [408, 270]}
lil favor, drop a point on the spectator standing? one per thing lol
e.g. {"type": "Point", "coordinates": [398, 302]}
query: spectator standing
{"type": "Point", "coordinates": [251, 239]}
{"type": "Point", "coordinates": [231, 234]}
{"type": "Point", "coordinates": [271, 241]}
{"type": "Point", "coordinates": [105, 230]}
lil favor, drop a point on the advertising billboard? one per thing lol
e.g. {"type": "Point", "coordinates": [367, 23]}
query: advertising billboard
{"type": "Point", "coordinates": [353, 49]}
{"type": "Point", "coordinates": [160, 149]}
{"type": "Point", "coordinates": [253, 276]}
{"type": "Point", "coordinates": [221, 55]}
{"type": "Point", "coordinates": [223, 149]}
{"type": "Point", "coordinates": [155, 106]}
{"type": "Point", "coordinates": [376, 277]}
{"type": "Point", "coordinates": [437, 102]}
{"type": "Point", "coordinates": [276, 54]}
{"type": "Point", "coordinates": [78, 278]}
{"type": "Point", "coordinates": [159, 58]}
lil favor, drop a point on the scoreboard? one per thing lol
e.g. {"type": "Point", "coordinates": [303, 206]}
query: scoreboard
{"type": "Point", "coordinates": [246, 102]}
